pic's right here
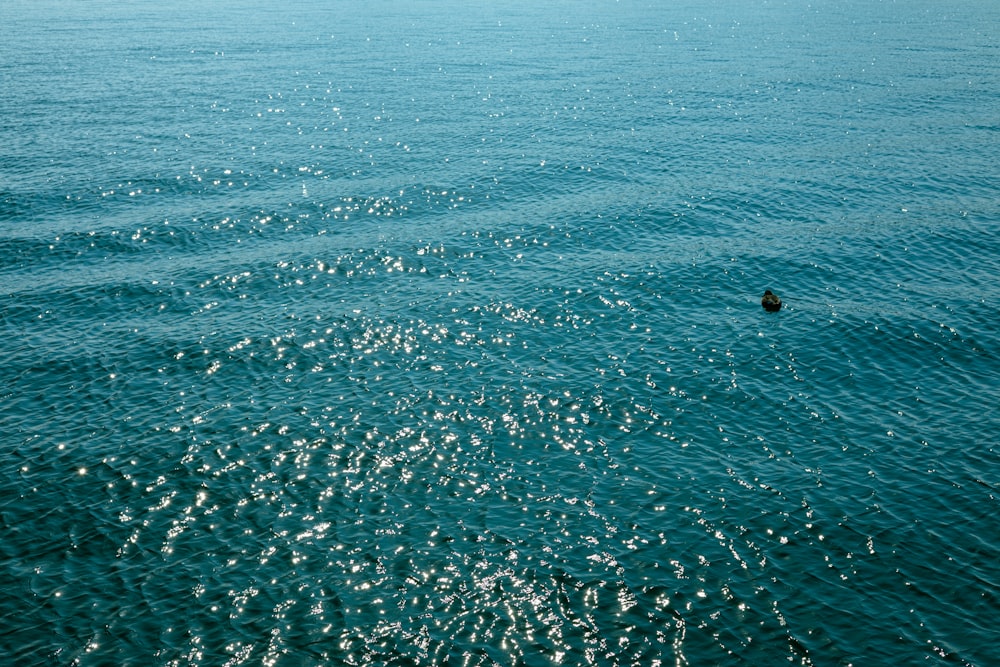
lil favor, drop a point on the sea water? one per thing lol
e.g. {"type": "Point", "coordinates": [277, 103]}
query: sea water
{"type": "Point", "coordinates": [423, 333]}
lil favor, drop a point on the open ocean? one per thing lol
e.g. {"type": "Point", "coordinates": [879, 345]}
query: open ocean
{"type": "Point", "coordinates": [429, 333]}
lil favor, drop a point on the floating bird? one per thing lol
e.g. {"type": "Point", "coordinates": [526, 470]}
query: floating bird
{"type": "Point", "coordinates": [771, 302]}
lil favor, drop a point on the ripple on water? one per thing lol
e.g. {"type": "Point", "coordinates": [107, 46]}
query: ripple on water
{"type": "Point", "coordinates": [471, 367]}
{"type": "Point", "coordinates": [430, 468]}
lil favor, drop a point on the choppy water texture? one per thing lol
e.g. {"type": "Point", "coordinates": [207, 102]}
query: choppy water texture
{"type": "Point", "coordinates": [418, 333]}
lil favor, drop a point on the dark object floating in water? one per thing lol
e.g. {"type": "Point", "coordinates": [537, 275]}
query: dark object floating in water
{"type": "Point", "coordinates": [771, 302]}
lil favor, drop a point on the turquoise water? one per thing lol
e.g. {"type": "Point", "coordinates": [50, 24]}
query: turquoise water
{"type": "Point", "coordinates": [423, 333]}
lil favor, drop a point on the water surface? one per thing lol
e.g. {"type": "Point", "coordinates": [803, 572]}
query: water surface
{"type": "Point", "coordinates": [415, 333]}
